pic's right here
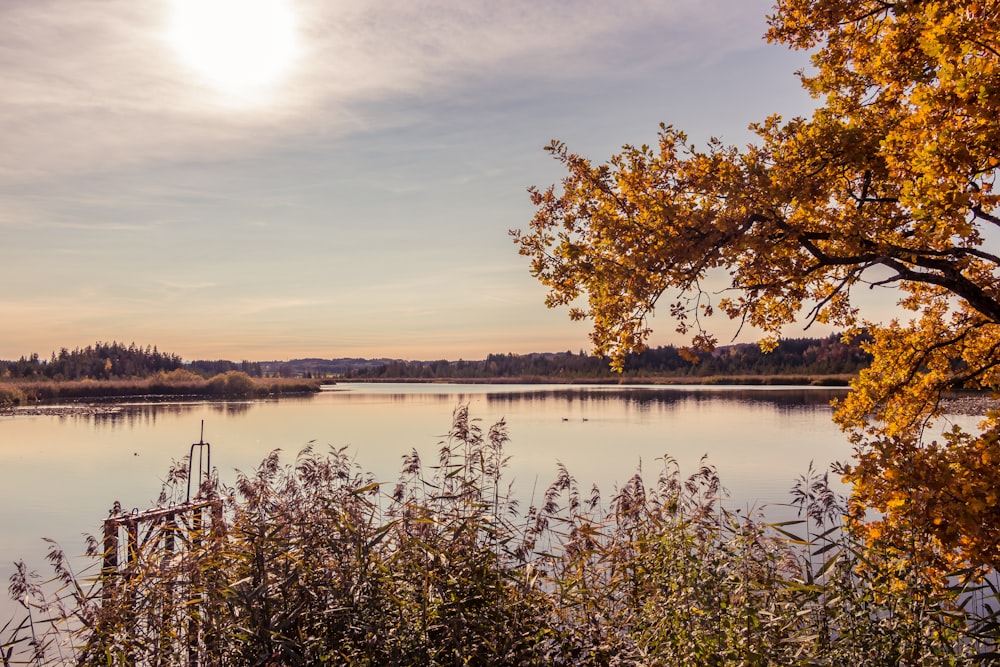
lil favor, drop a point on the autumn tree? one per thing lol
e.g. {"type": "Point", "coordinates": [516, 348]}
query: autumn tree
{"type": "Point", "coordinates": [889, 184]}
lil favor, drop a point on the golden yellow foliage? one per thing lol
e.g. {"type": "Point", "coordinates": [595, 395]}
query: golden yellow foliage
{"type": "Point", "coordinates": [889, 183]}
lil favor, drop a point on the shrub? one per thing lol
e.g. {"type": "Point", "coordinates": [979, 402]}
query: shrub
{"type": "Point", "coordinates": [233, 384]}
{"type": "Point", "coordinates": [178, 376]}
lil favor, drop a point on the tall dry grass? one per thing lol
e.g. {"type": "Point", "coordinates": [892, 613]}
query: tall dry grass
{"type": "Point", "coordinates": [180, 382]}
{"type": "Point", "coordinates": [315, 562]}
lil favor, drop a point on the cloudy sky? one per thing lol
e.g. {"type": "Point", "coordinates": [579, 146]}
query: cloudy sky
{"type": "Point", "coordinates": [287, 178]}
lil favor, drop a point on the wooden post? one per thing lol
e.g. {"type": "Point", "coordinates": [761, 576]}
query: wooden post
{"type": "Point", "coordinates": [195, 593]}
{"type": "Point", "coordinates": [213, 607]}
{"type": "Point", "coordinates": [167, 611]}
{"type": "Point", "coordinates": [132, 531]}
{"type": "Point", "coordinates": [110, 567]}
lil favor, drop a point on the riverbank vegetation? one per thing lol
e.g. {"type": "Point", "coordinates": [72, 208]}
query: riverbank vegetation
{"type": "Point", "coordinates": [114, 370]}
{"type": "Point", "coordinates": [314, 562]}
{"type": "Point", "coordinates": [114, 361]}
{"type": "Point", "coordinates": [175, 383]}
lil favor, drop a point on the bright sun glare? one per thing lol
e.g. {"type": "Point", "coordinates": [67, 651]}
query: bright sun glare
{"type": "Point", "coordinates": [237, 46]}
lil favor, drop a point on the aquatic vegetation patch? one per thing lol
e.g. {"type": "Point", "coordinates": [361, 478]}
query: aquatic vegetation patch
{"type": "Point", "coordinates": [316, 562]}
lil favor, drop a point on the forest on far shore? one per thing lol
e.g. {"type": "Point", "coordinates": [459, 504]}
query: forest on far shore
{"type": "Point", "coordinates": [828, 356]}
{"type": "Point", "coordinates": [812, 357]}
{"type": "Point", "coordinates": [114, 361]}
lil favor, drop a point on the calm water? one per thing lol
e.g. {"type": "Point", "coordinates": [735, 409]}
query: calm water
{"type": "Point", "coordinates": [60, 475]}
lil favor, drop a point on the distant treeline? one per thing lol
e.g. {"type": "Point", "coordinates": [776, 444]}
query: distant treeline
{"type": "Point", "coordinates": [111, 361]}
{"type": "Point", "coordinates": [795, 356]}
{"type": "Point", "coordinates": [211, 368]}
{"type": "Point", "coordinates": [318, 368]}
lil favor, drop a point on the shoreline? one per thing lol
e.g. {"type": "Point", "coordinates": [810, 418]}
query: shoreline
{"type": "Point", "coordinates": [959, 404]}
{"type": "Point", "coordinates": [822, 381]}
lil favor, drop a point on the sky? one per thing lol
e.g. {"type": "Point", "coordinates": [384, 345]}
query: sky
{"type": "Point", "coordinates": [277, 179]}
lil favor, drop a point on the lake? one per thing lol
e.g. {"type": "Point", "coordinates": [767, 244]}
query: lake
{"type": "Point", "coordinates": [59, 475]}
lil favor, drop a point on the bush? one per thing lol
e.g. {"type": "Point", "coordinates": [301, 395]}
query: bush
{"type": "Point", "coordinates": [177, 376]}
{"type": "Point", "coordinates": [233, 384]}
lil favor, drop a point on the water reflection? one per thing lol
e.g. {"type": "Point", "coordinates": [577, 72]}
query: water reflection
{"type": "Point", "coordinates": [142, 415]}
{"type": "Point", "coordinates": [59, 474]}
{"type": "Point", "coordinates": [782, 399]}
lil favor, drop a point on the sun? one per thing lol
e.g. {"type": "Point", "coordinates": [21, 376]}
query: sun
{"type": "Point", "coordinates": [236, 46]}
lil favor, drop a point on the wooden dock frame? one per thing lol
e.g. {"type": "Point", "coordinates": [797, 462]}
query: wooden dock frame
{"type": "Point", "coordinates": [136, 543]}
{"type": "Point", "coordinates": [159, 550]}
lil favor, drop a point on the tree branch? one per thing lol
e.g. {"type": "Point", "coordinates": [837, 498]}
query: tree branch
{"type": "Point", "coordinates": [949, 279]}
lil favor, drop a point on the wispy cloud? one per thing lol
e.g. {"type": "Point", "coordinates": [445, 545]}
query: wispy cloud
{"type": "Point", "coordinates": [182, 286]}
{"type": "Point", "coordinates": [252, 306]}
{"type": "Point", "coordinates": [93, 86]}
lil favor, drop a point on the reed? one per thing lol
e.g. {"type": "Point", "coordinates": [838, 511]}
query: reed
{"type": "Point", "coordinates": [12, 395]}
{"type": "Point", "coordinates": [232, 384]}
{"type": "Point", "coordinates": [316, 562]}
